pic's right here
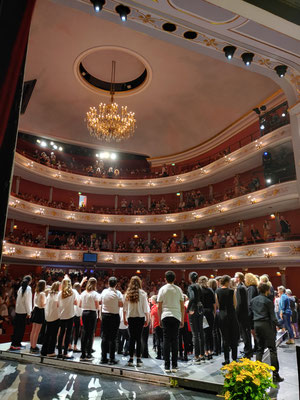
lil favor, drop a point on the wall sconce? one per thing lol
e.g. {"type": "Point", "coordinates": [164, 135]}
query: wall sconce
{"type": "Point", "coordinates": [58, 175]}
{"type": "Point", "coordinates": [168, 219]}
{"type": "Point", "coordinates": [227, 159]}
{"type": "Point", "coordinates": [199, 258]}
{"type": "Point", "coordinates": [40, 211]}
{"type": "Point", "coordinates": [120, 184]}
{"type": "Point", "coordinates": [259, 145]}
{"type": "Point", "coordinates": [278, 273]}
{"type": "Point", "coordinates": [267, 253]}
{"type": "Point", "coordinates": [68, 256]}
{"type": "Point", "coordinates": [105, 221]}
{"type": "Point", "coordinates": [151, 184]}
{"type": "Point", "coordinates": [71, 217]}
{"type": "Point", "coordinates": [212, 276]}
{"type": "Point", "coordinates": [272, 216]}
{"type": "Point", "coordinates": [88, 182]}
{"type": "Point", "coordinates": [173, 260]}
{"type": "Point", "coordinates": [109, 258]}
{"type": "Point", "coordinates": [12, 204]}
{"type": "Point", "coordinates": [141, 260]}
{"type": "Point", "coordinates": [37, 254]}
{"type": "Point", "coordinates": [178, 179]}
{"type": "Point", "coordinates": [203, 171]}
{"type": "Point", "coordinates": [30, 164]}
{"type": "Point", "coordinates": [228, 255]}
{"type": "Point", "coordinates": [138, 221]}
{"type": "Point", "coordinates": [9, 251]}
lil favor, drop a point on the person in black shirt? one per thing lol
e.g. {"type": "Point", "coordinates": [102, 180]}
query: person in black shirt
{"type": "Point", "coordinates": [242, 313]}
{"type": "Point", "coordinates": [265, 323]}
{"type": "Point", "coordinates": [195, 311]}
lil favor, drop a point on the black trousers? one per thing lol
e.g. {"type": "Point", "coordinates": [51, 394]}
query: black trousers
{"type": "Point", "coordinates": [217, 334]}
{"type": "Point", "coordinates": [109, 329]}
{"type": "Point", "coordinates": [208, 332]}
{"type": "Point", "coordinates": [135, 325]}
{"type": "Point", "coordinates": [170, 334]}
{"type": "Point", "coordinates": [245, 331]}
{"type": "Point", "coordinates": [89, 319]}
{"type": "Point", "coordinates": [230, 334]}
{"type": "Point", "coordinates": [144, 347]}
{"type": "Point", "coordinates": [123, 341]}
{"type": "Point", "coordinates": [196, 322]}
{"type": "Point", "coordinates": [76, 330]}
{"type": "Point", "coordinates": [19, 329]}
{"type": "Point", "coordinates": [158, 332]}
{"type": "Point", "coordinates": [65, 330]}
{"type": "Point", "coordinates": [183, 340]}
{"type": "Point", "coordinates": [50, 337]}
{"type": "Point", "coordinates": [266, 338]}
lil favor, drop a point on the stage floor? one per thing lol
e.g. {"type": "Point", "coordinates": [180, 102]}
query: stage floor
{"type": "Point", "coordinates": [204, 377]}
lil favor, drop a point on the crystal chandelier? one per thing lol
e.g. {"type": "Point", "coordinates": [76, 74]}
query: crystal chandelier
{"type": "Point", "coordinates": [107, 123]}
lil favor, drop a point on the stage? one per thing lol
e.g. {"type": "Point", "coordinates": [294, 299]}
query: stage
{"type": "Point", "coordinates": [204, 377]}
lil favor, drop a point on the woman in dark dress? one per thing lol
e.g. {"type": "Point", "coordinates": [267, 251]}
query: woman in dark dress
{"type": "Point", "coordinates": [209, 310]}
{"type": "Point", "coordinates": [212, 284]}
{"type": "Point", "coordinates": [226, 303]}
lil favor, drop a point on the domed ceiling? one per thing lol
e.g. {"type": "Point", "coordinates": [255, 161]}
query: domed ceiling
{"type": "Point", "coordinates": [185, 99]}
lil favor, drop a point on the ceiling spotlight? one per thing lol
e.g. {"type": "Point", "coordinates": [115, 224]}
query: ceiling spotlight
{"type": "Point", "coordinates": [38, 141]}
{"type": "Point", "coordinates": [283, 114]}
{"type": "Point", "coordinates": [281, 70]}
{"type": "Point", "coordinates": [263, 108]}
{"type": "Point", "coordinates": [43, 144]}
{"type": "Point", "coordinates": [51, 143]}
{"type": "Point", "coordinates": [55, 147]}
{"type": "Point", "coordinates": [262, 127]}
{"type": "Point", "coordinates": [257, 110]}
{"type": "Point", "coordinates": [98, 4]}
{"type": "Point", "coordinates": [247, 58]}
{"type": "Point", "coordinates": [60, 148]}
{"type": "Point", "coordinates": [229, 52]}
{"type": "Point", "coordinates": [123, 11]}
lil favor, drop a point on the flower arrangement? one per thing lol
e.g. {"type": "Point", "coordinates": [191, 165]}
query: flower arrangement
{"type": "Point", "coordinates": [247, 379]}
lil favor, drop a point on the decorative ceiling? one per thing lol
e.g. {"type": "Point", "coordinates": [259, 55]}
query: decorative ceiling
{"type": "Point", "coordinates": [189, 95]}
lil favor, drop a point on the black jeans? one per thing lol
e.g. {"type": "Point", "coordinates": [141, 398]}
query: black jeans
{"type": "Point", "coordinates": [50, 337]}
{"type": "Point", "coordinates": [109, 328]}
{"type": "Point", "coordinates": [266, 338]}
{"type": "Point", "coordinates": [123, 341]}
{"type": "Point", "coordinates": [135, 325]}
{"type": "Point", "coordinates": [196, 322]}
{"type": "Point", "coordinates": [170, 334]}
{"type": "Point", "coordinates": [145, 336]}
{"type": "Point", "coordinates": [245, 331]}
{"type": "Point", "coordinates": [76, 330]}
{"type": "Point", "coordinates": [89, 319]}
{"type": "Point", "coordinates": [19, 329]}
{"type": "Point", "coordinates": [65, 328]}
{"type": "Point", "coordinates": [208, 332]}
{"type": "Point", "coordinates": [183, 340]}
{"type": "Point", "coordinates": [217, 334]}
{"type": "Point", "coordinates": [159, 340]}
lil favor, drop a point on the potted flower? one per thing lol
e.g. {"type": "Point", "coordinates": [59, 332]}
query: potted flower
{"type": "Point", "coordinates": [246, 379]}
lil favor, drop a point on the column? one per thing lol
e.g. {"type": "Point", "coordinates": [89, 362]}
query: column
{"type": "Point", "coordinates": [149, 202]}
{"type": "Point", "coordinates": [116, 202]}
{"type": "Point", "coordinates": [149, 237]}
{"type": "Point", "coordinates": [115, 240]}
{"type": "Point", "coordinates": [51, 194]}
{"type": "Point", "coordinates": [18, 184]}
{"type": "Point", "coordinates": [47, 233]}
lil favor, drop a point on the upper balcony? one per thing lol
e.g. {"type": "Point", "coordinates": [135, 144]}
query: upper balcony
{"type": "Point", "coordinates": [243, 159]}
{"type": "Point", "coordinates": [276, 198]}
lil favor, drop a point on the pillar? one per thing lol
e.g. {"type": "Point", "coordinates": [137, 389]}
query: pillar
{"type": "Point", "coordinates": [115, 240]}
{"type": "Point", "coordinates": [18, 184]}
{"type": "Point", "coordinates": [51, 194]}
{"type": "Point", "coordinates": [116, 202]}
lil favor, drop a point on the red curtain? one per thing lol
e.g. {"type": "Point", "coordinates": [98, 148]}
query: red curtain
{"type": "Point", "coordinates": [7, 91]}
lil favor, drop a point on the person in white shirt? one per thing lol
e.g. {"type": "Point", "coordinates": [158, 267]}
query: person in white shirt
{"type": "Point", "coordinates": [89, 303]}
{"type": "Point", "coordinates": [38, 315]}
{"type": "Point", "coordinates": [66, 301]}
{"type": "Point", "coordinates": [171, 315]}
{"type": "Point", "coordinates": [76, 331]}
{"type": "Point", "coordinates": [23, 311]}
{"type": "Point", "coordinates": [110, 300]}
{"type": "Point", "coordinates": [136, 312]}
{"type": "Point", "coordinates": [52, 320]}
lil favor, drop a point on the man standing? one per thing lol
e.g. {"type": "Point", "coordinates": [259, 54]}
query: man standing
{"type": "Point", "coordinates": [285, 312]}
{"type": "Point", "coordinates": [242, 313]}
{"type": "Point", "coordinates": [110, 302]}
{"type": "Point", "coordinates": [265, 327]}
{"type": "Point", "coordinates": [171, 315]}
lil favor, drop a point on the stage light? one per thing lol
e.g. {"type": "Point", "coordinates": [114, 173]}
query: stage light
{"type": "Point", "coordinates": [283, 114]}
{"type": "Point", "coordinates": [55, 147]}
{"type": "Point", "coordinates": [229, 52]}
{"type": "Point", "coordinates": [256, 110]}
{"type": "Point", "coordinates": [281, 70]}
{"type": "Point", "coordinates": [113, 156]}
{"type": "Point", "coordinates": [98, 4]}
{"type": "Point", "coordinates": [269, 180]}
{"type": "Point", "coordinates": [123, 11]}
{"type": "Point", "coordinates": [104, 155]}
{"type": "Point", "coordinates": [43, 144]}
{"type": "Point", "coordinates": [247, 58]}
{"type": "Point", "coordinates": [51, 143]}
{"type": "Point", "coordinates": [60, 148]}
{"type": "Point", "coordinates": [38, 141]}
{"type": "Point", "coordinates": [97, 155]}
{"type": "Point", "coordinates": [262, 127]}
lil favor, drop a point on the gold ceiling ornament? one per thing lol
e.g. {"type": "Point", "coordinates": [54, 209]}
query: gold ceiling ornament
{"type": "Point", "coordinates": [107, 123]}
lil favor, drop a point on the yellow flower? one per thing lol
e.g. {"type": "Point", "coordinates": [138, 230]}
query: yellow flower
{"type": "Point", "coordinates": [256, 381]}
{"type": "Point", "coordinates": [227, 395]}
{"type": "Point", "coordinates": [228, 376]}
{"type": "Point", "coordinates": [240, 378]}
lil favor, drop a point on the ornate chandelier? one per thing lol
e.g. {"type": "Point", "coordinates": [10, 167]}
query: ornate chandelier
{"type": "Point", "coordinates": [107, 123]}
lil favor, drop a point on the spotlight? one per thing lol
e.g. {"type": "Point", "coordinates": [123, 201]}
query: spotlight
{"type": "Point", "coordinates": [262, 127]}
{"type": "Point", "coordinates": [283, 114]}
{"type": "Point", "coordinates": [257, 110]}
{"type": "Point", "coordinates": [281, 70]}
{"type": "Point", "coordinates": [60, 148]}
{"type": "Point", "coordinates": [247, 58]}
{"type": "Point", "coordinates": [97, 155]}
{"type": "Point", "coordinates": [229, 52]}
{"type": "Point", "coordinates": [269, 180]}
{"type": "Point", "coordinates": [43, 144]}
{"type": "Point", "coordinates": [123, 11]}
{"type": "Point", "coordinates": [113, 156]}
{"type": "Point", "coordinates": [51, 143]}
{"type": "Point", "coordinates": [98, 4]}
{"type": "Point", "coordinates": [38, 141]}
{"type": "Point", "coordinates": [263, 108]}
{"type": "Point", "coordinates": [55, 147]}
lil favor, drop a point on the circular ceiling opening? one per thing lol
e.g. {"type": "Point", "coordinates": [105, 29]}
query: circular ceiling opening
{"type": "Point", "coordinates": [93, 69]}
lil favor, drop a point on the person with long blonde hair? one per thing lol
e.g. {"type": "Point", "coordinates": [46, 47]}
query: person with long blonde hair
{"type": "Point", "coordinates": [52, 320]}
{"type": "Point", "coordinates": [38, 315]}
{"type": "Point", "coordinates": [66, 301]}
{"type": "Point", "coordinates": [136, 315]}
{"type": "Point", "coordinates": [89, 303]}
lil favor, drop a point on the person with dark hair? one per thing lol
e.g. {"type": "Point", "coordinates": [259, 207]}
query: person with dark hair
{"type": "Point", "coordinates": [265, 323]}
{"type": "Point", "coordinates": [136, 315]}
{"type": "Point", "coordinates": [226, 303]}
{"type": "Point", "coordinates": [23, 311]}
{"type": "Point", "coordinates": [171, 315]}
{"type": "Point", "coordinates": [195, 311]}
{"type": "Point", "coordinates": [242, 313]}
{"type": "Point", "coordinates": [110, 302]}
{"type": "Point", "coordinates": [38, 315]}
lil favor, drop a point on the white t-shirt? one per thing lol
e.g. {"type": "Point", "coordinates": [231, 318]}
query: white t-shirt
{"type": "Point", "coordinates": [109, 299]}
{"type": "Point", "coordinates": [170, 296]}
{"type": "Point", "coordinates": [39, 299]}
{"type": "Point", "coordinates": [77, 309]}
{"type": "Point", "coordinates": [51, 309]}
{"type": "Point", "coordinates": [24, 303]}
{"type": "Point", "coordinates": [66, 305]}
{"type": "Point", "coordinates": [88, 300]}
{"type": "Point", "coordinates": [138, 309]}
